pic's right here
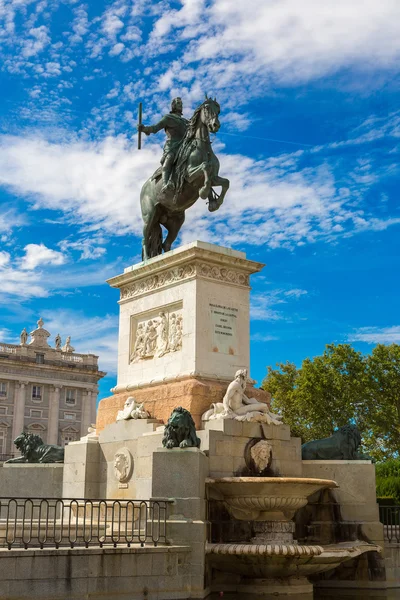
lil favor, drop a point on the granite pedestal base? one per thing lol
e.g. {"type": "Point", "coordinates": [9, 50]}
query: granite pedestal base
{"type": "Point", "coordinates": [193, 393]}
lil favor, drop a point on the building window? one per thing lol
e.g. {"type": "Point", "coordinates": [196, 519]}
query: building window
{"type": "Point", "coordinates": [36, 392]}
{"type": "Point", "coordinates": [3, 410]}
{"type": "Point", "coordinates": [3, 390]}
{"type": "Point", "coordinates": [40, 359]}
{"type": "Point", "coordinates": [3, 440]}
{"type": "Point", "coordinates": [67, 438]}
{"type": "Point", "coordinates": [70, 416]}
{"type": "Point", "coordinates": [36, 413]}
{"type": "Point", "coordinates": [70, 397]}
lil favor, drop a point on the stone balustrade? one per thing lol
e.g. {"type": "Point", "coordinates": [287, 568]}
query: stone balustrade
{"type": "Point", "coordinates": [8, 348]}
{"type": "Point", "coordinates": [51, 354]}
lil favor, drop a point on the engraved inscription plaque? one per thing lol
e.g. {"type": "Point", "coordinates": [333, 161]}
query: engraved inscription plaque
{"type": "Point", "coordinates": [224, 328]}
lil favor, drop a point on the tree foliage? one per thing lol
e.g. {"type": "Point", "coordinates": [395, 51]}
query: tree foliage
{"type": "Point", "coordinates": [388, 481]}
{"type": "Point", "coordinates": [341, 386]}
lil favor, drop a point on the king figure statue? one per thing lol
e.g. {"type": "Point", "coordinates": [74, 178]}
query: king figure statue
{"type": "Point", "coordinates": [189, 171]}
{"type": "Point", "coordinates": [175, 126]}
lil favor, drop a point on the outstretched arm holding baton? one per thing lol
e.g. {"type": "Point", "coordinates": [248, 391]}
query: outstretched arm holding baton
{"type": "Point", "coordinates": [140, 127]}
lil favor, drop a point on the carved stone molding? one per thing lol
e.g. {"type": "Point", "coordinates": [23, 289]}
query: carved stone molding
{"type": "Point", "coordinates": [154, 282]}
{"type": "Point", "coordinates": [222, 274]}
{"type": "Point", "coordinates": [177, 274]}
{"type": "Point", "coordinates": [264, 549]}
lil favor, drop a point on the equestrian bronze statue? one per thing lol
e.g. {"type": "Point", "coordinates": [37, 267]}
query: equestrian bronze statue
{"type": "Point", "coordinates": [189, 170]}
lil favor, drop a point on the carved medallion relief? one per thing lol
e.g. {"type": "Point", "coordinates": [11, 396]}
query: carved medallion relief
{"type": "Point", "coordinates": [123, 466]}
{"type": "Point", "coordinates": [156, 336]}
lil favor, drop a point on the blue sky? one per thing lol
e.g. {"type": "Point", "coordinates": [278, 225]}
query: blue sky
{"type": "Point", "coordinates": [310, 139]}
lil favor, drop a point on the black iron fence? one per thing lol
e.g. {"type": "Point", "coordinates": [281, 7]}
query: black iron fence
{"type": "Point", "coordinates": [390, 517]}
{"type": "Point", "coordinates": [70, 522]}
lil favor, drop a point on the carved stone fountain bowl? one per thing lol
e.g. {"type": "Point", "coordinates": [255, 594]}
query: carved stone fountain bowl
{"type": "Point", "coordinates": [265, 498]}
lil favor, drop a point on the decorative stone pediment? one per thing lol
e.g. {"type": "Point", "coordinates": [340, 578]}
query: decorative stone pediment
{"type": "Point", "coordinates": [69, 429]}
{"type": "Point", "coordinates": [36, 427]}
{"type": "Point", "coordinates": [39, 336]}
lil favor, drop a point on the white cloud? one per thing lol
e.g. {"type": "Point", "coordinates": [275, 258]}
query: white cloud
{"type": "Point", "coordinates": [97, 183]}
{"type": "Point", "coordinates": [39, 254]}
{"type": "Point", "coordinates": [38, 39]}
{"type": "Point", "coordinates": [276, 201]}
{"type": "Point", "coordinates": [89, 248]}
{"type": "Point", "coordinates": [262, 307]}
{"type": "Point", "coordinates": [286, 41]}
{"type": "Point", "coordinates": [4, 258]}
{"type": "Point", "coordinates": [42, 279]}
{"type": "Point", "coordinates": [10, 219]}
{"type": "Point", "coordinates": [97, 335]}
{"type": "Point", "coordinates": [376, 335]}
{"type": "Point", "coordinates": [260, 337]}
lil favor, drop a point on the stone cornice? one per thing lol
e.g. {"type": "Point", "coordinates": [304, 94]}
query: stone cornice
{"type": "Point", "coordinates": [118, 389]}
{"type": "Point", "coordinates": [54, 381]}
{"type": "Point", "coordinates": [185, 256]}
{"type": "Point", "coordinates": [190, 262]}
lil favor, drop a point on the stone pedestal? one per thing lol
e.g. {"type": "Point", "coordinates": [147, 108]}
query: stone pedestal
{"type": "Point", "coordinates": [181, 474]}
{"type": "Point", "coordinates": [82, 476]}
{"type": "Point", "coordinates": [273, 532]}
{"type": "Point", "coordinates": [184, 330]}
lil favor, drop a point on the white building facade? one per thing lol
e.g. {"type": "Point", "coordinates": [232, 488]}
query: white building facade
{"type": "Point", "coordinates": [50, 391]}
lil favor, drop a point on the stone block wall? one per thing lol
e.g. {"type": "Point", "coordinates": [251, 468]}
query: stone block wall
{"type": "Point", "coordinates": [225, 440]}
{"type": "Point", "coordinates": [76, 574]}
{"type": "Point", "coordinates": [31, 480]}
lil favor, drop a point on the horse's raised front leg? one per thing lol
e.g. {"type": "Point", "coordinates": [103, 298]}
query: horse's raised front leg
{"type": "Point", "coordinates": [215, 202]}
{"type": "Point", "coordinates": [193, 173]}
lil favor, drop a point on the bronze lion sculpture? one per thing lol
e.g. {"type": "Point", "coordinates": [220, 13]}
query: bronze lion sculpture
{"type": "Point", "coordinates": [180, 431]}
{"type": "Point", "coordinates": [33, 450]}
{"type": "Point", "coordinates": [343, 444]}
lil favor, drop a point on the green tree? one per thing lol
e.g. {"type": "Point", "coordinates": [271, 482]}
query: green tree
{"type": "Point", "coordinates": [383, 368]}
{"type": "Point", "coordinates": [327, 392]}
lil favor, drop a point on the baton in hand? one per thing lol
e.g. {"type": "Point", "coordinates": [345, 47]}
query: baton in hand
{"type": "Point", "coordinates": [139, 139]}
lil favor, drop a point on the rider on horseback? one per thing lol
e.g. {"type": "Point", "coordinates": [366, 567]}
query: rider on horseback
{"type": "Point", "coordinates": [175, 126]}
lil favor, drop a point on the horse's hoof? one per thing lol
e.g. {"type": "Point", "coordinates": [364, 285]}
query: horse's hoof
{"type": "Point", "coordinates": [213, 206]}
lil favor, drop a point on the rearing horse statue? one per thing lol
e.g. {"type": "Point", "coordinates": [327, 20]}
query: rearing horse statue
{"type": "Point", "coordinates": [195, 173]}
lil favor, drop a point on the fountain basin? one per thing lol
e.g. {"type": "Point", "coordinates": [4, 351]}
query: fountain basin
{"type": "Point", "coordinates": [282, 560]}
{"type": "Point", "coordinates": [265, 498]}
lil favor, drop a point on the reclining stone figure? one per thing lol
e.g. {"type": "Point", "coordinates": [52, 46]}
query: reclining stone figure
{"type": "Point", "coordinates": [236, 405]}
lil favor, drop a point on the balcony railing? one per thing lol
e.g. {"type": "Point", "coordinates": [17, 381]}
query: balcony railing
{"type": "Point", "coordinates": [70, 522]}
{"type": "Point", "coordinates": [51, 355]}
{"type": "Point", "coordinates": [72, 358]}
{"type": "Point", "coordinates": [390, 517]}
{"type": "Point", "coordinates": [8, 349]}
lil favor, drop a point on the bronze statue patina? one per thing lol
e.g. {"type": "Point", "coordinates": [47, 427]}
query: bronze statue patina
{"type": "Point", "coordinates": [343, 444]}
{"type": "Point", "coordinates": [189, 171]}
{"type": "Point", "coordinates": [34, 450]}
{"type": "Point", "coordinates": [175, 126]}
{"type": "Point", "coordinates": [180, 431]}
